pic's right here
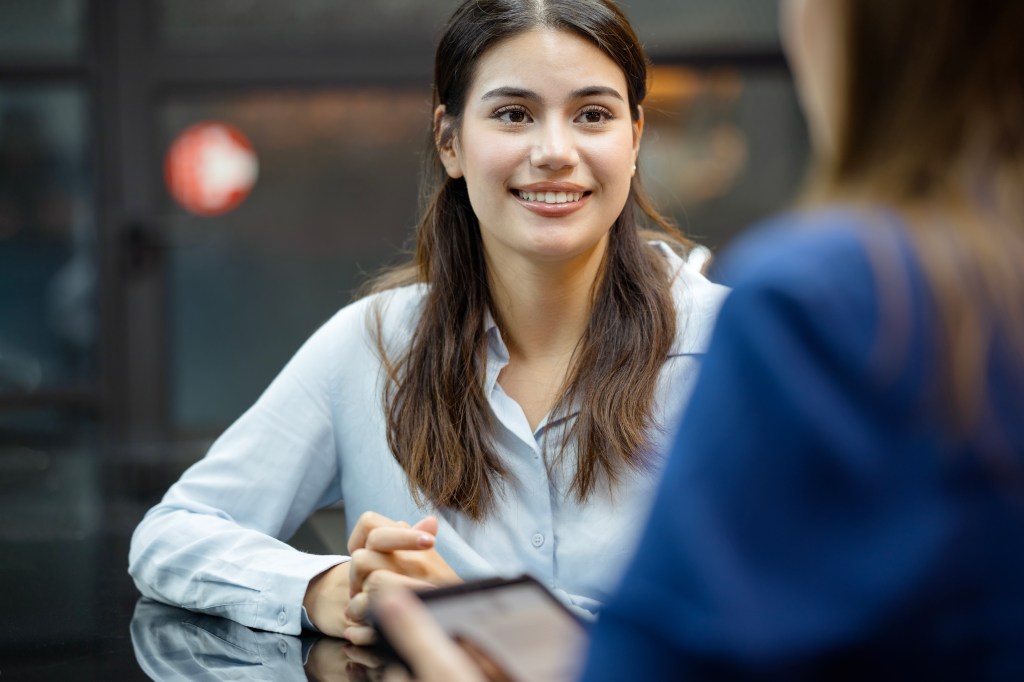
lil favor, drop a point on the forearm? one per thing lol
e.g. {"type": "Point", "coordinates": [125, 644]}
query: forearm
{"type": "Point", "coordinates": [210, 564]}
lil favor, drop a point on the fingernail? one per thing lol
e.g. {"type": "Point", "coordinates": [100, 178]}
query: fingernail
{"type": "Point", "coordinates": [426, 539]}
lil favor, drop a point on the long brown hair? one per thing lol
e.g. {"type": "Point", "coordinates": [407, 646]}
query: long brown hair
{"type": "Point", "coordinates": [438, 418]}
{"type": "Point", "coordinates": [931, 123]}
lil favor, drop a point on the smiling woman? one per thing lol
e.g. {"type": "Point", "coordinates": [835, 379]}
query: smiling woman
{"type": "Point", "coordinates": [542, 140]}
{"type": "Point", "coordinates": [512, 384]}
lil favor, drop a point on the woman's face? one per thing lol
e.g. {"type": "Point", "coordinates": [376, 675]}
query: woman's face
{"type": "Point", "coordinates": [811, 35]}
{"type": "Point", "coordinates": [547, 147]}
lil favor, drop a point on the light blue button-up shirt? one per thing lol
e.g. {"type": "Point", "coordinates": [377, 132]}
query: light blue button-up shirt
{"type": "Point", "coordinates": [317, 435]}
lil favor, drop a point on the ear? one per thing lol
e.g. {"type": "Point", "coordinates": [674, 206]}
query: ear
{"type": "Point", "coordinates": [638, 133]}
{"type": "Point", "coordinates": [448, 151]}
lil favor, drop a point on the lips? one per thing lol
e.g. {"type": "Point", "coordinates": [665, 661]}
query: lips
{"type": "Point", "coordinates": [551, 199]}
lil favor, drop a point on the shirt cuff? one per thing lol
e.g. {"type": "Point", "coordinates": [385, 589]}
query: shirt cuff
{"type": "Point", "coordinates": [307, 624]}
{"type": "Point", "coordinates": [280, 608]}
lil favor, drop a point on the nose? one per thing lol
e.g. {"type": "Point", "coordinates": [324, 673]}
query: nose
{"type": "Point", "coordinates": [555, 147]}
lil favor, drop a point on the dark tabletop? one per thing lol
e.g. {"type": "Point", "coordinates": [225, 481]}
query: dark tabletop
{"type": "Point", "coordinates": [69, 610]}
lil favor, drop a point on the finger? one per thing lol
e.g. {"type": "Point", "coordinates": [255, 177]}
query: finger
{"type": "Point", "coordinates": [363, 656]}
{"type": "Point", "coordinates": [367, 522]}
{"type": "Point", "coordinates": [427, 524]}
{"type": "Point", "coordinates": [361, 635]}
{"type": "Point", "coordinates": [393, 539]}
{"type": "Point", "coordinates": [420, 640]}
{"type": "Point", "coordinates": [363, 563]}
{"type": "Point", "coordinates": [358, 608]}
{"type": "Point", "coordinates": [387, 581]}
{"type": "Point", "coordinates": [356, 672]}
{"type": "Point", "coordinates": [396, 673]}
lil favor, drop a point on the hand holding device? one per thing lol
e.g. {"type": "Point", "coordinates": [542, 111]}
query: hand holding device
{"type": "Point", "coordinates": [515, 627]}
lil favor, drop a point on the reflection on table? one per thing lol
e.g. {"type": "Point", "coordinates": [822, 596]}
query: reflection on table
{"type": "Point", "coordinates": [174, 644]}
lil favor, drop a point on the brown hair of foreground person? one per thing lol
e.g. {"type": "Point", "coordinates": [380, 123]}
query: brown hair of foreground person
{"type": "Point", "coordinates": [927, 124]}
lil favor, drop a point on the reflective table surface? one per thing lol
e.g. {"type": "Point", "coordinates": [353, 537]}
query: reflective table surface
{"type": "Point", "coordinates": [69, 610]}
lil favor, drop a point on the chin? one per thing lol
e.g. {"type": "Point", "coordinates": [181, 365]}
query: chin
{"type": "Point", "coordinates": [554, 248]}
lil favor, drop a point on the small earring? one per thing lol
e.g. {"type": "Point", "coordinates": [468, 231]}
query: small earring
{"type": "Point", "coordinates": [634, 168]}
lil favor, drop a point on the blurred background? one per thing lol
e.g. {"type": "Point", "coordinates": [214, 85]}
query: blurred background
{"type": "Point", "coordinates": [147, 297]}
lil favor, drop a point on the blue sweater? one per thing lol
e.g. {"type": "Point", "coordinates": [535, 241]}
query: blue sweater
{"type": "Point", "coordinates": [814, 521]}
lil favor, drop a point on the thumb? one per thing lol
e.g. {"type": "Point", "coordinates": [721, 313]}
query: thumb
{"type": "Point", "coordinates": [419, 639]}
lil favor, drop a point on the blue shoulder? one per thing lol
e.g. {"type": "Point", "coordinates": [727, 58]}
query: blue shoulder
{"type": "Point", "coordinates": [830, 245]}
{"type": "Point", "coordinates": [845, 280]}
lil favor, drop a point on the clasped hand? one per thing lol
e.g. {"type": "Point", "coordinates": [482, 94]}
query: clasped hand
{"type": "Point", "coordinates": [387, 554]}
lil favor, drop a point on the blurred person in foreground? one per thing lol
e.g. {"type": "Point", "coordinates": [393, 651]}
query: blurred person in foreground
{"type": "Point", "coordinates": [845, 495]}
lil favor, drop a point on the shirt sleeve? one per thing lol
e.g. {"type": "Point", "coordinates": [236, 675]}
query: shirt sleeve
{"type": "Point", "coordinates": [778, 532]}
{"type": "Point", "coordinates": [214, 543]}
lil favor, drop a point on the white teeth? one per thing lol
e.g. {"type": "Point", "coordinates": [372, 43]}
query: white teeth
{"type": "Point", "coordinates": [551, 197]}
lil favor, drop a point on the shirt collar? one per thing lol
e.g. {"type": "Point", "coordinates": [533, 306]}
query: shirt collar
{"type": "Point", "coordinates": [497, 358]}
{"type": "Point", "coordinates": [695, 305]}
{"type": "Point", "coordinates": [696, 302]}
{"type": "Point", "coordinates": [497, 351]}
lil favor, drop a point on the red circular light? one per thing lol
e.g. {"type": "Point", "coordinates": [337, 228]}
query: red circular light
{"type": "Point", "coordinates": [210, 168]}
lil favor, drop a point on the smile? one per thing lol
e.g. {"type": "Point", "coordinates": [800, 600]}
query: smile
{"type": "Point", "coordinates": [550, 197]}
{"type": "Point", "coordinates": [553, 203]}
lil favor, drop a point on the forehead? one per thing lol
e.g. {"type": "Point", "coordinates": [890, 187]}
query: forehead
{"type": "Point", "coordinates": [546, 60]}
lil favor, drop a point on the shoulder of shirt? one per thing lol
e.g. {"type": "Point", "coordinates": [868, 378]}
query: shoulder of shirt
{"type": "Point", "coordinates": [398, 311]}
{"type": "Point", "coordinates": [697, 300]}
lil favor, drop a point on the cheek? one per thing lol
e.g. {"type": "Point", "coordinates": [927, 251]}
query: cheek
{"type": "Point", "coordinates": [612, 161]}
{"type": "Point", "coordinates": [490, 159]}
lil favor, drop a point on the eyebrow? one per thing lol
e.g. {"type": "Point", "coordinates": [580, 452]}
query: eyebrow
{"type": "Point", "coordinates": [522, 93]}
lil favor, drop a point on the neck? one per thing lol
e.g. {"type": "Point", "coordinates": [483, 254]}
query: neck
{"type": "Point", "coordinates": [544, 308]}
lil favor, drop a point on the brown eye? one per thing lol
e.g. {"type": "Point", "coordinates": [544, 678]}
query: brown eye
{"type": "Point", "coordinates": [513, 115]}
{"type": "Point", "coordinates": [595, 116]}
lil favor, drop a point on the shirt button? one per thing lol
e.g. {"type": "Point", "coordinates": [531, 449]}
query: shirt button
{"type": "Point", "coordinates": [282, 618]}
{"type": "Point", "coordinates": [282, 646]}
{"type": "Point", "coordinates": [537, 539]}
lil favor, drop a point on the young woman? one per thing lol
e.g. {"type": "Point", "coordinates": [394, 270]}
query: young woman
{"type": "Point", "coordinates": [845, 497]}
{"type": "Point", "coordinates": [511, 384]}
